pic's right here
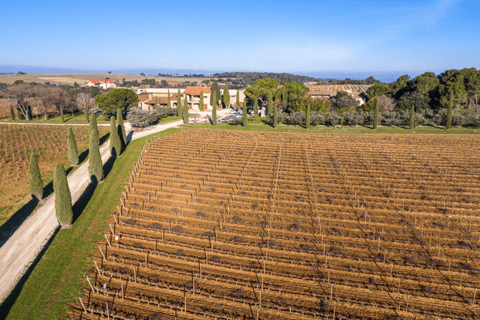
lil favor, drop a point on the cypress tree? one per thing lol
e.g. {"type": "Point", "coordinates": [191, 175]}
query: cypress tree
{"type": "Point", "coordinates": [270, 104]}
{"type": "Point", "coordinates": [307, 122]}
{"type": "Point", "coordinates": [121, 128]}
{"type": "Point", "coordinates": [275, 116]}
{"type": "Point", "coordinates": [201, 104]}
{"type": "Point", "coordinates": [87, 111]}
{"type": "Point", "coordinates": [215, 88]}
{"type": "Point", "coordinates": [179, 104]}
{"type": "Point", "coordinates": [115, 144]}
{"type": "Point", "coordinates": [63, 198]}
{"type": "Point", "coordinates": [169, 104]}
{"type": "Point", "coordinates": [35, 178]}
{"type": "Point", "coordinates": [285, 98]}
{"type": "Point", "coordinates": [237, 102]}
{"type": "Point", "coordinates": [72, 148]}
{"type": "Point", "coordinates": [61, 113]}
{"type": "Point", "coordinates": [375, 115]}
{"type": "Point", "coordinates": [12, 114]}
{"type": "Point", "coordinates": [244, 115]}
{"type": "Point", "coordinates": [226, 96]}
{"type": "Point", "coordinates": [214, 116]}
{"type": "Point", "coordinates": [95, 165]}
{"type": "Point", "coordinates": [185, 110]}
{"type": "Point", "coordinates": [93, 125]}
{"type": "Point", "coordinates": [449, 111]}
{"type": "Point", "coordinates": [255, 107]}
{"type": "Point", "coordinates": [412, 117]}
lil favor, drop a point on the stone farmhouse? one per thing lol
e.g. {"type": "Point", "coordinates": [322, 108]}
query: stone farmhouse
{"type": "Point", "coordinates": [105, 83]}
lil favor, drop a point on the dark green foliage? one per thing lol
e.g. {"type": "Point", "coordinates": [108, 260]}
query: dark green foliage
{"type": "Point", "coordinates": [72, 148]}
{"type": "Point", "coordinates": [377, 90]}
{"type": "Point", "coordinates": [87, 111]}
{"type": "Point", "coordinates": [270, 104]}
{"type": "Point", "coordinates": [115, 143]}
{"type": "Point", "coordinates": [214, 98]}
{"type": "Point", "coordinates": [244, 115]}
{"type": "Point", "coordinates": [35, 178]}
{"type": "Point", "coordinates": [412, 117]}
{"type": "Point", "coordinates": [343, 100]}
{"type": "Point", "coordinates": [185, 111]}
{"type": "Point", "coordinates": [214, 115]}
{"type": "Point", "coordinates": [449, 111]}
{"type": "Point", "coordinates": [95, 165]}
{"type": "Point", "coordinates": [93, 125]}
{"type": "Point", "coordinates": [169, 104]}
{"type": "Point", "coordinates": [201, 104]}
{"type": "Point", "coordinates": [307, 122]}
{"type": "Point", "coordinates": [117, 98]}
{"type": "Point", "coordinates": [333, 118]}
{"type": "Point", "coordinates": [262, 88]}
{"type": "Point", "coordinates": [255, 107]}
{"type": "Point", "coordinates": [12, 114]}
{"type": "Point", "coordinates": [179, 104]}
{"type": "Point", "coordinates": [121, 129]}
{"type": "Point", "coordinates": [285, 98]}
{"type": "Point", "coordinates": [375, 115]}
{"type": "Point", "coordinates": [237, 102]}
{"type": "Point", "coordinates": [61, 113]}
{"type": "Point", "coordinates": [63, 198]}
{"type": "Point", "coordinates": [226, 96]}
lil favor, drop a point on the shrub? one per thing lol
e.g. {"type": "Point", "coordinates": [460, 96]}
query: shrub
{"type": "Point", "coordinates": [391, 118]}
{"type": "Point", "coordinates": [142, 118]}
{"type": "Point", "coordinates": [353, 118]}
{"type": "Point", "coordinates": [296, 118]}
{"type": "Point", "coordinates": [333, 118]}
{"type": "Point", "coordinates": [317, 118]}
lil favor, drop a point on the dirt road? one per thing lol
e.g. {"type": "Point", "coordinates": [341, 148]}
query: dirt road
{"type": "Point", "coordinates": [23, 246]}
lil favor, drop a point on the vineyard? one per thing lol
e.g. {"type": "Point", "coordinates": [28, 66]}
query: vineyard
{"type": "Point", "coordinates": [340, 87]}
{"type": "Point", "coordinates": [17, 142]}
{"type": "Point", "coordinates": [241, 225]}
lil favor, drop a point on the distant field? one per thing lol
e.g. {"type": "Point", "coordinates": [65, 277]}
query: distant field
{"type": "Point", "coordinates": [82, 79]}
{"type": "Point", "coordinates": [342, 87]}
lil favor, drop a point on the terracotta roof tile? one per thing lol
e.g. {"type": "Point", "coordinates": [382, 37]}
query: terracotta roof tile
{"type": "Point", "coordinates": [195, 91]}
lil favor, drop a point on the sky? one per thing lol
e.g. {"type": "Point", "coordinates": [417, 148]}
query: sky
{"type": "Point", "coordinates": [349, 37]}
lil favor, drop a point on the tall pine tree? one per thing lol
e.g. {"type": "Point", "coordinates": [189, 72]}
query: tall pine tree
{"type": "Point", "coordinates": [35, 178]}
{"type": "Point", "coordinates": [226, 96]}
{"type": "Point", "coordinates": [115, 144]}
{"type": "Point", "coordinates": [375, 115]}
{"type": "Point", "coordinates": [201, 104]}
{"type": "Point", "coordinates": [179, 104]}
{"type": "Point", "coordinates": [95, 165]}
{"type": "Point", "coordinates": [72, 148]}
{"type": "Point", "coordinates": [63, 197]}
{"type": "Point", "coordinates": [449, 111]}
{"type": "Point", "coordinates": [307, 121]}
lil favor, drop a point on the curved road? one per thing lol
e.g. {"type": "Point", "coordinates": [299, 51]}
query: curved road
{"type": "Point", "coordinates": [24, 245]}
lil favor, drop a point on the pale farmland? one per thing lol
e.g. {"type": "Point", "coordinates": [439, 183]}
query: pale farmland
{"type": "Point", "coordinates": [234, 225]}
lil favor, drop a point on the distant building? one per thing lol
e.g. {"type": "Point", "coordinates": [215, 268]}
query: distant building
{"type": "Point", "coordinates": [105, 84]}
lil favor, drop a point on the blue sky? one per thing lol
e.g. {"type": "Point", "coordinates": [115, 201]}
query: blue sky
{"type": "Point", "coordinates": [250, 35]}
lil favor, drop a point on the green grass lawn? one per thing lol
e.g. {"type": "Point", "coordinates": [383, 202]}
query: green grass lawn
{"type": "Point", "coordinates": [56, 280]}
{"type": "Point", "coordinates": [259, 125]}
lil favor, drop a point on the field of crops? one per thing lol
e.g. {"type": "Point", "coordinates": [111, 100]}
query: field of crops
{"type": "Point", "coordinates": [241, 225]}
{"type": "Point", "coordinates": [340, 87]}
{"type": "Point", "coordinates": [17, 142]}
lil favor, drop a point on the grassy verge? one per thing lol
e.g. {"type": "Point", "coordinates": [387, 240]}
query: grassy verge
{"type": "Point", "coordinates": [259, 125]}
{"type": "Point", "coordinates": [56, 279]}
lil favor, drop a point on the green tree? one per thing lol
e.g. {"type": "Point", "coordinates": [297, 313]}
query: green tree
{"type": "Point", "coordinates": [35, 178]}
{"type": "Point", "coordinates": [226, 96]}
{"type": "Point", "coordinates": [237, 102]}
{"type": "Point", "coordinates": [375, 115]}
{"type": "Point", "coordinates": [214, 116]}
{"type": "Point", "coordinates": [95, 165]}
{"type": "Point", "coordinates": [255, 107]}
{"type": "Point", "coordinates": [425, 83]}
{"type": "Point", "coordinates": [343, 100]}
{"type": "Point", "coordinates": [117, 98]}
{"type": "Point", "coordinates": [63, 198]}
{"type": "Point", "coordinates": [179, 104]}
{"type": "Point", "coordinates": [122, 135]}
{"type": "Point", "coordinates": [214, 98]}
{"type": "Point", "coordinates": [376, 90]}
{"type": "Point", "coordinates": [93, 125]}
{"type": "Point", "coordinates": [72, 148]}
{"type": "Point", "coordinates": [285, 98]}
{"type": "Point", "coordinates": [262, 88]}
{"type": "Point", "coordinates": [244, 113]}
{"type": "Point", "coordinates": [270, 104]}
{"type": "Point", "coordinates": [412, 117]}
{"type": "Point", "coordinates": [87, 111]}
{"type": "Point", "coordinates": [169, 103]}
{"type": "Point", "coordinates": [12, 114]}
{"type": "Point", "coordinates": [275, 115]}
{"type": "Point", "coordinates": [294, 91]}
{"type": "Point", "coordinates": [115, 143]}
{"type": "Point", "coordinates": [449, 111]}
{"type": "Point", "coordinates": [185, 110]}
{"type": "Point", "coordinates": [398, 87]}
{"type": "Point", "coordinates": [307, 121]}
{"type": "Point", "coordinates": [201, 104]}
